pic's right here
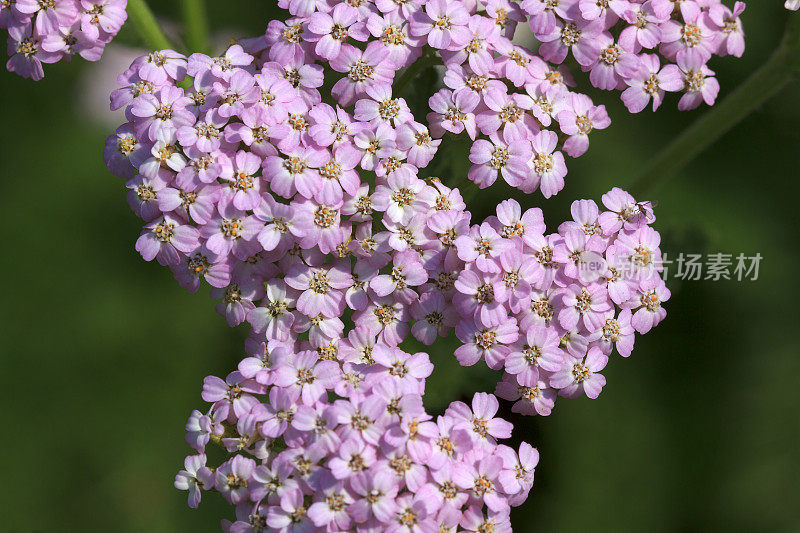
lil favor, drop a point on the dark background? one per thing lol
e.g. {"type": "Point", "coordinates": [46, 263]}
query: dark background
{"type": "Point", "coordinates": [103, 355]}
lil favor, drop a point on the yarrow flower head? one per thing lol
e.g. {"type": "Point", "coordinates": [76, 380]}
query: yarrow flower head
{"type": "Point", "coordinates": [47, 31]}
{"type": "Point", "coordinates": [291, 173]}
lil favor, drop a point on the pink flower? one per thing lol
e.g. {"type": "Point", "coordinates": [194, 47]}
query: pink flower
{"type": "Point", "coordinates": [362, 69]}
{"type": "Point", "coordinates": [320, 289]}
{"type": "Point", "coordinates": [237, 300]}
{"type": "Point", "coordinates": [199, 265]}
{"type": "Point", "coordinates": [317, 224]}
{"type": "Point", "coordinates": [331, 510]}
{"type": "Point", "coordinates": [48, 16]}
{"type": "Point", "coordinates": [165, 239]}
{"type": "Point", "coordinates": [530, 393]}
{"type": "Point", "coordinates": [392, 30]}
{"type": "Point", "coordinates": [414, 139]}
{"type": "Point", "coordinates": [274, 316]}
{"type": "Point", "coordinates": [650, 82]}
{"type": "Point", "coordinates": [646, 304]}
{"type": "Point", "coordinates": [195, 478]}
{"type": "Point", "coordinates": [482, 480]}
{"type": "Point", "coordinates": [331, 126]}
{"type": "Point", "coordinates": [506, 156]}
{"type": "Point", "coordinates": [537, 349]}
{"type": "Point", "coordinates": [548, 165]}
{"type": "Point", "coordinates": [27, 54]}
{"type": "Point", "coordinates": [162, 66]}
{"type": "Point", "coordinates": [581, 256]}
{"type": "Point", "coordinates": [585, 305]}
{"type": "Point", "coordinates": [579, 121]}
{"type": "Point", "coordinates": [514, 223]}
{"type": "Point", "coordinates": [506, 112]}
{"type": "Point", "coordinates": [691, 41]}
{"type": "Point", "coordinates": [548, 100]}
{"type": "Point", "coordinates": [485, 342]}
{"type": "Point", "coordinates": [699, 83]}
{"type": "Point", "coordinates": [307, 376]}
{"type": "Point", "coordinates": [616, 332]}
{"type": "Point", "coordinates": [453, 112]}
{"type": "Point", "coordinates": [238, 91]}
{"type": "Point", "coordinates": [407, 271]}
{"type": "Point", "coordinates": [474, 520]}
{"type": "Point", "coordinates": [518, 469]}
{"type": "Point", "coordinates": [386, 318]}
{"type": "Point", "coordinates": [291, 515]}
{"type": "Point", "coordinates": [295, 172]}
{"type": "Point", "coordinates": [580, 37]}
{"type": "Point", "coordinates": [331, 30]}
{"type": "Point", "coordinates": [220, 67]}
{"type": "Point", "coordinates": [381, 107]}
{"type": "Point", "coordinates": [375, 145]}
{"type": "Point", "coordinates": [482, 35]}
{"type": "Point", "coordinates": [609, 11]}
{"type": "Point", "coordinates": [197, 204]}
{"type": "Point", "coordinates": [644, 30]}
{"type": "Point", "coordinates": [398, 198]}
{"type": "Point", "coordinates": [444, 23]}
{"type": "Point", "coordinates": [232, 476]}
{"type": "Point", "coordinates": [513, 62]}
{"type": "Point", "coordinates": [234, 391]}
{"type": "Point", "coordinates": [483, 246]}
{"type": "Point", "coordinates": [481, 420]}
{"type": "Point", "coordinates": [231, 231]}
{"type": "Point", "coordinates": [164, 111]}
{"type": "Point", "coordinates": [624, 212]}
{"type": "Point", "coordinates": [581, 376]}
{"type": "Point", "coordinates": [374, 494]}
{"type": "Point", "coordinates": [102, 18]}
{"type": "Point", "coordinates": [244, 185]}
{"type": "Point", "coordinates": [407, 371]}
{"type": "Point", "coordinates": [433, 318]}
{"type": "Point", "coordinates": [729, 26]}
{"type": "Point", "coordinates": [614, 65]}
{"type": "Point", "coordinates": [479, 296]}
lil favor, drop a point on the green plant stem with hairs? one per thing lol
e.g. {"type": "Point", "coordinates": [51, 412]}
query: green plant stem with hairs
{"type": "Point", "coordinates": [146, 25]}
{"type": "Point", "coordinates": [196, 30]}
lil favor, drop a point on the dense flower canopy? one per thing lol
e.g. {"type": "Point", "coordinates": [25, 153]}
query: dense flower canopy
{"type": "Point", "coordinates": [292, 174]}
{"type": "Point", "coordinates": [46, 31]}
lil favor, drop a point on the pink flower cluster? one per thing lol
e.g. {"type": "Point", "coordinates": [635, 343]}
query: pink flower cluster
{"type": "Point", "coordinates": [310, 222]}
{"type": "Point", "coordinates": [616, 42]}
{"type": "Point", "coordinates": [515, 105]}
{"type": "Point", "coordinates": [370, 460]}
{"type": "Point", "coordinates": [47, 31]}
{"type": "Point", "coordinates": [301, 215]}
{"type": "Point", "coordinates": [286, 174]}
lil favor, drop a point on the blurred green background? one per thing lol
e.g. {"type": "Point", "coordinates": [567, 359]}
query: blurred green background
{"type": "Point", "coordinates": [103, 355]}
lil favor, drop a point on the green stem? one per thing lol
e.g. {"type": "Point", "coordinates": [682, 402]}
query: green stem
{"type": "Point", "coordinates": [762, 85]}
{"type": "Point", "coordinates": [468, 190]}
{"type": "Point", "coordinates": [195, 20]}
{"type": "Point", "coordinates": [145, 23]}
{"type": "Point", "coordinates": [427, 60]}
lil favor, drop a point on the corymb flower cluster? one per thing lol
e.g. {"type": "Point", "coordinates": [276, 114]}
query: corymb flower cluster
{"type": "Point", "coordinates": [371, 460]}
{"type": "Point", "coordinates": [518, 110]}
{"type": "Point", "coordinates": [46, 31]}
{"type": "Point", "coordinates": [286, 174]}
